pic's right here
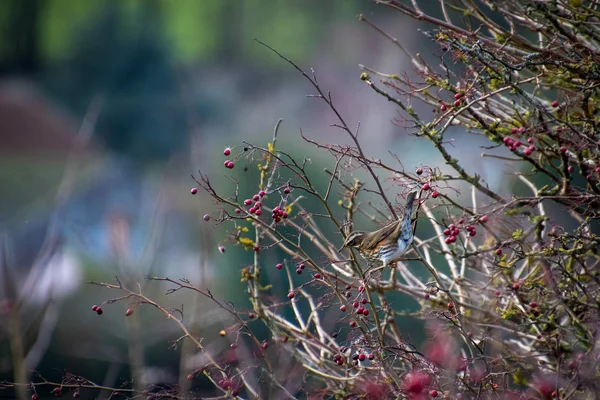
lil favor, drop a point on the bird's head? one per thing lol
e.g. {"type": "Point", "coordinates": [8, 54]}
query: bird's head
{"type": "Point", "coordinates": [353, 240]}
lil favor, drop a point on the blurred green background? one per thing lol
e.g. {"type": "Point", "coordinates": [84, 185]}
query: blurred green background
{"type": "Point", "coordinates": [106, 108]}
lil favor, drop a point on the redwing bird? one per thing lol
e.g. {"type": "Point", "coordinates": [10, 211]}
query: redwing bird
{"type": "Point", "coordinates": [389, 243]}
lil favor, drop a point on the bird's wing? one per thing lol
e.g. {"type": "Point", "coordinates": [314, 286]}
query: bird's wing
{"type": "Point", "coordinates": [375, 238]}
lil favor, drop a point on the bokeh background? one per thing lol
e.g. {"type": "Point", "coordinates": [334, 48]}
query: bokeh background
{"type": "Point", "coordinates": [107, 108]}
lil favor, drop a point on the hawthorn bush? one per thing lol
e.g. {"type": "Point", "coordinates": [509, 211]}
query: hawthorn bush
{"type": "Point", "coordinates": [509, 296]}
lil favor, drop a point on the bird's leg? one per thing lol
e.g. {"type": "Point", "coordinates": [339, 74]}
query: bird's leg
{"type": "Point", "coordinates": [393, 274]}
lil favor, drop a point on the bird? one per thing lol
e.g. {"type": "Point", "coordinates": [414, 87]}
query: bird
{"type": "Point", "coordinates": [389, 243]}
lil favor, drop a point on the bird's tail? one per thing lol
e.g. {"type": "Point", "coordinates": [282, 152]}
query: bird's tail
{"type": "Point", "coordinates": [408, 209]}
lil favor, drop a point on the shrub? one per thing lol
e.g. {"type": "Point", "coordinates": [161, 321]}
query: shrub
{"type": "Point", "coordinates": [510, 303]}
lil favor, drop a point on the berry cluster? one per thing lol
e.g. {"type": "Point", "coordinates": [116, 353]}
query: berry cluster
{"type": "Point", "coordinates": [97, 309]}
{"type": "Point", "coordinates": [459, 98]}
{"type": "Point", "coordinates": [514, 144]}
{"type": "Point", "coordinates": [228, 163]}
{"type": "Point", "coordinates": [255, 202]}
{"type": "Point", "coordinates": [358, 304]}
{"type": "Point", "coordinates": [229, 384]}
{"type": "Point", "coordinates": [279, 214]}
{"type": "Point", "coordinates": [452, 231]}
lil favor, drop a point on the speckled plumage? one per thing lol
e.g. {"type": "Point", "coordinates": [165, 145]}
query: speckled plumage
{"type": "Point", "coordinates": [389, 243]}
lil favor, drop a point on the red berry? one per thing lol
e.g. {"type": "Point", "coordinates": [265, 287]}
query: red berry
{"type": "Point", "coordinates": [555, 103]}
{"type": "Point", "coordinates": [363, 301]}
{"type": "Point", "coordinates": [233, 345]}
{"type": "Point", "coordinates": [427, 295]}
{"type": "Point", "coordinates": [261, 193]}
{"type": "Point", "coordinates": [530, 140]}
{"type": "Point", "coordinates": [343, 308]}
{"type": "Point", "coordinates": [362, 357]}
{"type": "Point", "coordinates": [452, 239]}
{"type": "Point", "coordinates": [76, 395]}
{"type": "Point", "coordinates": [194, 191]}
{"type": "Point", "coordinates": [34, 396]}
{"type": "Point", "coordinates": [497, 292]}
{"type": "Point", "coordinates": [128, 312]}
{"type": "Point", "coordinates": [227, 151]}
{"type": "Point", "coordinates": [99, 311]}
{"type": "Point", "coordinates": [265, 345]}
{"type": "Point", "coordinates": [237, 211]}
{"type": "Point", "coordinates": [247, 202]}
{"type": "Point", "coordinates": [451, 226]}
{"type": "Point", "coordinates": [419, 171]}
{"type": "Point", "coordinates": [498, 252]}
{"type": "Point", "coordinates": [473, 233]}
{"type": "Point", "coordinates": [433, 393]}
{"type": "Point", "coordinates": [365, 312]}
{"type": "Point", "coordinates": [301, 266]}
{"type": "Point", "coordinates": [257, 205]}
{"type": "Point", "coordinates": [533, 304]}
{"type": "Point", "coordinates": [360, 310]}
{"type": "Point", "coordinates": [518, 143]}
{"type": "Point", "coordinates": [299, 271]}
{"type": "Point", "coordinates": [522, 129]}
{"type": "Point", "coordinates": [286, 190]}
{"type": "Point", "coordinates": [94, 307]}
{"type": "Point", "coordinates": [435, 194]}
{"type": "Point", "coordinates": [256, 248]}
{"type": "Point", "coordinates": [458, 95]}
{"type": "Point", "coordinates": [455, 232]}
{"type": "Point", "coordinates": [284, 214]}
{"type": "Point", "coordinates": [230, 165]}
{"type": "Point", "coordinates": [206, 217]}
{"type": "Point", "coordinates": [451, 305]}
{"type": "Point", "coordinates": [222, 249]}
{"type": "Point", "coordinates": [190, 377]}
{"type": "Point", "coordinates": [443, 107]}
{"type": "Point", "coordinates": [563, 149]}
{"type": "Point", "coordinates": [371, 357]}
{"type": "Point", "coordinates": [317, 276]}
{"type": "Point", "coordinates": [514, 130]}
{"type": "Point", "coordinates": [570, 169]}
{"type": "Point", "coordinates": [258, 212]}
{"type": "Point", "coordinates": [516, 286]}
{"type": "Point", "coordinates": [457, 103]}
{"type": "Point", "coordinates": [353, 324]}
{"type": "Point", "coordinates": [252, 210]}
{"type": "Point", "coordinates": [448, 240]}
{"type": "Point", "coordinates": [279, 266]}
{"type": "Point", "coordinates": [527, 151]}
{"type": "Point", "coordinates": [426, 186]}
{"type": "Point", "coordinates": [256, 197]}
{"type": "Point", "coordinates": [447, 232]}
